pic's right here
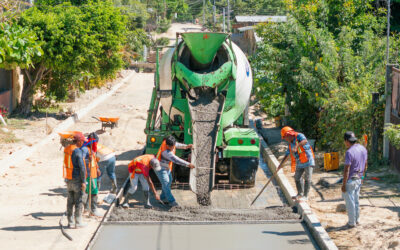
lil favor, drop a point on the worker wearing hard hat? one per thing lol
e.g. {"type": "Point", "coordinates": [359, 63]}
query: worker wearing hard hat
{"type": "Point", "coordinates": [166, 156]}
{"type": "Point", "coordinates": [106, 160]}
{"type": "Point", "coordinates": [302, 160]}
{"type": "Point", "coordinates": [139, 171]}
{"type": "Point", "coordinates": [74, 173]}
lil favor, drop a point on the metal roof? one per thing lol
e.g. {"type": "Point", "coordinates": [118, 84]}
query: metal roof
{"type": "Point", "coordinates": [260, 19]}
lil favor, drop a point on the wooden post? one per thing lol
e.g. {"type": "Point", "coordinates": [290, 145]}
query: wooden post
{"type": "Point", "coordinates": [374, 128]}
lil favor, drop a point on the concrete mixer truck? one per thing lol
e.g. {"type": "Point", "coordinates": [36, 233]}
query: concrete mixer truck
{"type": "Point", "coordinates": [201, 97]}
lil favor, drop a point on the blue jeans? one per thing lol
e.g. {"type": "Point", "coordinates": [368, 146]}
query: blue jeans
{"type": "Point", "coordinates": [109, 166]}
{"type": "Point", "coordinates": [165, 177]}
{"type": "Point", "coordinates": [351, 197]}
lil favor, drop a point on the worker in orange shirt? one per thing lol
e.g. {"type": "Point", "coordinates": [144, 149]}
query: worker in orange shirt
{"type": "Point", "coordinates": [139, 169]}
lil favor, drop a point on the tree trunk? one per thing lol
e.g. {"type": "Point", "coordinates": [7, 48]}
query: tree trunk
{"type": "Point", "coordinates": [31, 77]}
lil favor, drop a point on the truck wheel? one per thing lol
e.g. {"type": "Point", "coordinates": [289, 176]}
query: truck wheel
{"type": "Point", "coordinates": [243, 170]}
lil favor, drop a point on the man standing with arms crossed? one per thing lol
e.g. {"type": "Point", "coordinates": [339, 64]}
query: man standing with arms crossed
{"type": "Point", "coordinates": [354, 170]}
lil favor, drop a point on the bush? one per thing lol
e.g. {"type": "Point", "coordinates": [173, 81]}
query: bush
{"type": "Point", "coordinates": [163, 25]}
{"type": "Point", "coordinates": [393, 134]}
{"type": "Point", "coordinates": [323, 63]}
{"type": "Point", "coordinates": [163, 41]}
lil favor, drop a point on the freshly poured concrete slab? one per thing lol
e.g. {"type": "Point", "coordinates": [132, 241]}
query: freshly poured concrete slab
{"type": "Point", "coordinates": [203, 237]}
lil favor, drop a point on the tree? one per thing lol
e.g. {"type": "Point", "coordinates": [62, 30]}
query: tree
{"type": "Point", "coordinates": [85, 40]}
{"type": "Point", "coordinates": [326, 60]}
{"type": "Point", "coordinates": [18, 46]}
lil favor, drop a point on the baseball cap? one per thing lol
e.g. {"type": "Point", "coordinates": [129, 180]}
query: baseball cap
{"type": "Point", "coordinates": [155, 164]}
{"type": "Point", "coordinates": [79, 137]}
{"type": "Point", "coordinates": [350, 136]}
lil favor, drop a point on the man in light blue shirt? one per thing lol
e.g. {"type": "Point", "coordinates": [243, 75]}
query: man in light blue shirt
{"type": "Point", "coordinates": [302, 158]}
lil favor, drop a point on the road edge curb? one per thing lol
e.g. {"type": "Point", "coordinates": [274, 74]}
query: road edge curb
{"type": "Point", "coordinates": [27, 151]}
{"type": "Point", "coordinates": [317, 230]}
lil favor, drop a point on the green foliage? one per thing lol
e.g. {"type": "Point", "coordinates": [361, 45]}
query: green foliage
{"type": "Point", "coordinates": [78, 41]}
{"type": "Point", "coordinates": [162, 41]}
{"type": "Point", "coordinates": [136, 40]}
{"type": "Point", "coordinates": [327, 59]}
{"type": "Point", "coordinates": [163, 25]}
{"type": "Point", "coordinates": [18, 46]}
{"type": "Point", "coordinates": [393, 134]}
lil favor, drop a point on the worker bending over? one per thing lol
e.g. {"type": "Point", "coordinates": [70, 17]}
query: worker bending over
{"type": "Point", "coordinates": [166, 156]}
{"type": "Point", "coordinates": [302, 160]}
{"type": "Point", "coordinates": [139, 169]}
{"type": "Point", "coordinates": [74, 173]}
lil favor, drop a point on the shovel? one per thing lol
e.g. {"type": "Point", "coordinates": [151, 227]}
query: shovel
{"type": "Point", "coordinates": [270, 179]}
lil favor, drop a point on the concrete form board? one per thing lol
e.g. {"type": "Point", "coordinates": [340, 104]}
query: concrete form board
{"type": "Point", "coordinates": [316, 229]}
{"type": "Point", "coordinates": [201, 237]}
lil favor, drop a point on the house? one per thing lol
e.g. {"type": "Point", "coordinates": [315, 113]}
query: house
{"type": "Point", "coordinates": [243, 21]}
{"type": "Point", "coordinates": [243, 31]}
{"type": "Point", "coordinates": [11, 84]}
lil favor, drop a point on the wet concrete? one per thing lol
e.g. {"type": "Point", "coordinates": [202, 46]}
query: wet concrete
{"type": "Point", "coordinates": [203, 214]}
{"type": "Point", "coordinates": [204, 237]}
{"type": "Point", "coordinates": [204, 109]}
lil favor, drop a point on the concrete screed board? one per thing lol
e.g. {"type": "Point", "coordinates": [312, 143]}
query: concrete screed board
{"type": "Point", "coordinates": [169, 236]}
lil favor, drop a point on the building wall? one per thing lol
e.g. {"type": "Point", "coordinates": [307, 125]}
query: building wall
{"type": "Point", "coordinates": [394, 154]}
{"type": "Point", "coordinates": [5, 88]}
{"type": "Point", "coordinates": [11, 84]}
{"type": "Point", "coordinates": [18, 83]}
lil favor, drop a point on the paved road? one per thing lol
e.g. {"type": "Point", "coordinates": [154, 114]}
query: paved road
{"type": "Point", "coordinates": [33, 193]}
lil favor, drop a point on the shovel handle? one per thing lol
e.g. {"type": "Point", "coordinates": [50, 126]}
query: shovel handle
{"type": "Point", "coordinates": [270, 179]}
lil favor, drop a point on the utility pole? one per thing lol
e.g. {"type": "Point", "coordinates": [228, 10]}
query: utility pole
{"type": "Point", "coordinates": [204, 12]}
{"type": "Point", "coordinates": [165, 9]}
{"type": "Point", "coordinates": [229, 17]}
{"type": "Point", "coordinates": [214, 18]}
{"type": "Point", "coordinates": [223, 14]}
{"type": "Point", "coordinates": [387, 86]}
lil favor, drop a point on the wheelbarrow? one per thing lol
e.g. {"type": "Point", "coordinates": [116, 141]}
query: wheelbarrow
{"type": "Point", "coordinates": [109, 122]}
{"type": "Point", "coordinates": [67, 137]}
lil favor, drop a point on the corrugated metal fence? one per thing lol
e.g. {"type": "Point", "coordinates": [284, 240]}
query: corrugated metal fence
{"type": "Point", "coordinates": [394, 154]}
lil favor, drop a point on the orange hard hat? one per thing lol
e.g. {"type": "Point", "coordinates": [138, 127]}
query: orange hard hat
{"type": "Point", "coordinates": [285, 130]}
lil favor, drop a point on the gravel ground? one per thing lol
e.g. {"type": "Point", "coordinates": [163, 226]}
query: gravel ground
{"type": "Point", "coordinates": [202, 214]}
{"type": "Point", "coordinates": [204, 110]}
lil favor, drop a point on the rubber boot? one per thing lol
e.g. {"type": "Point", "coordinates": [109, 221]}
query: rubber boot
{"type": "Point", "coordinates": [147, 199]}
{"type": "Point", "coordinates": [71, 222]}
{"type": "Point", "coordinates": [94, 210]}
{"type": "Point", "coordinates": [307, 186]}
{"type": "Point", "coordinates": [114, 186]}
{"type": "Point", "coordinates": [299, 187]}
{"type": "Point", "coordinates": [79, 222]}
{"type": "Point", "coordinates": [126, 200]}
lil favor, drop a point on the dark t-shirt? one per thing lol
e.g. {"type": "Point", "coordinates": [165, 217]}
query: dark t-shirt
{"type": "Point", "coordinates": [77, 158]}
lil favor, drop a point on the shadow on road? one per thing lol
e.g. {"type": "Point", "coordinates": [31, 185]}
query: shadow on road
{"type": "Point", "coordinates": [29, 228]}
{"type": "Point", "coordinates": [56, 192]}
{"type": "Point", "coordinates": [38, 215]}
{"type": "Point", "coordinates": [129, 155]}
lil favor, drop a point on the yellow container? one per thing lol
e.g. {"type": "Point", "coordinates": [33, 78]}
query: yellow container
{"type": "Point", "coordinates": [331, 161]}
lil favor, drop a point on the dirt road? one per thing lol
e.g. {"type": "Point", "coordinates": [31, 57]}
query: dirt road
{"type": "Point", "coordinates": [33, 195]}
{"type": "Point", "coordinates": [379, 204]}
